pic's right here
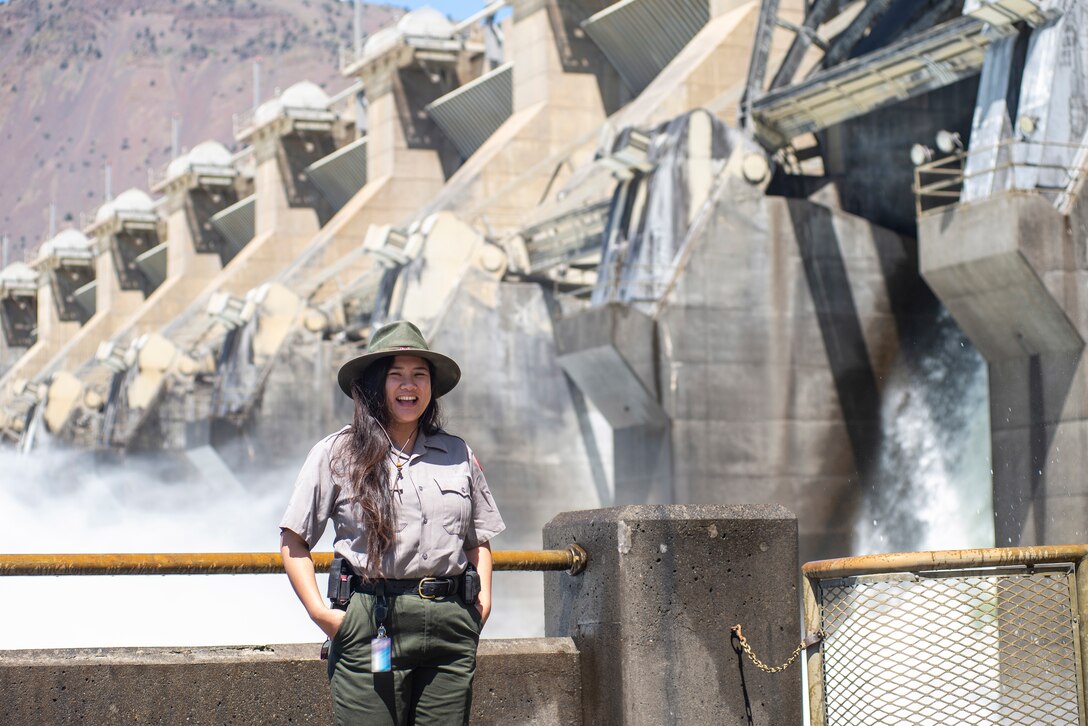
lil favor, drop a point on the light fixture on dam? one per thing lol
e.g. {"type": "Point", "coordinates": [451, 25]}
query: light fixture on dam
{"type": "Point", "coordinates": [920, 154]}
{"type": "Point", "coordinates": [949, 142]}
{"type": "Point", "coordinates": [1028, 125]}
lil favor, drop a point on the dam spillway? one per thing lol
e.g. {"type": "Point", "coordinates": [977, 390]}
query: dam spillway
{"type": "Point", "coordinates": [694, 281]}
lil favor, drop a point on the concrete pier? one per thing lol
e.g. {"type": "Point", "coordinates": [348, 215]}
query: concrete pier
{"type": "Point", "coordinates": [652, 613]}
{"type": "Point", "coordinates": [1011, 270]}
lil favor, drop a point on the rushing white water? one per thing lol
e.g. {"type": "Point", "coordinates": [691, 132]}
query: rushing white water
{"type": "Point", "coordinates": [933, 487]}
{"type": "Point", "coordinates": [63, 502]}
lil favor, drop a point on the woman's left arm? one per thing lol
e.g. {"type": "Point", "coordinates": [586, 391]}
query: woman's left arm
{"type": "Point", "coordinates": [480, 557]}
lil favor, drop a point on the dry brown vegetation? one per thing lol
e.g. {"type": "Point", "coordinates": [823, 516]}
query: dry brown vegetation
{"type": "Point", "coordinates": [84, 83]}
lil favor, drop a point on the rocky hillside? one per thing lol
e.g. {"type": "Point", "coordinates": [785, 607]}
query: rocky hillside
{"type": "Point", "coordinates": [85, 83]}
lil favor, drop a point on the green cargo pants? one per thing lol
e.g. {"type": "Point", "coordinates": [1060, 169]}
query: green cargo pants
{"type": "Point", "coordinates": [434, 659]}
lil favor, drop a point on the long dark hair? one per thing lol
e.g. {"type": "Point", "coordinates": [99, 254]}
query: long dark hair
{"type": "Point", "coordinates": [362, 460]}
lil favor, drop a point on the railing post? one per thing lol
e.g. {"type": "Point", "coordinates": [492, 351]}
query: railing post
{"type": "Point", "coordinates": [1082, 631]}
{"type": "Point", "coordinates": [815, 661]}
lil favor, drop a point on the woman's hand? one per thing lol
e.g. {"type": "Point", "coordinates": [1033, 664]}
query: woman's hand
{"type": "Point", "coordinates": [329, 620]}
{"type": "Point", "coordinates": [480, 557]}
{"type": "Point", "coordinates": [300, 571]}
{"type": "Point", "coordinates": [483, 606]}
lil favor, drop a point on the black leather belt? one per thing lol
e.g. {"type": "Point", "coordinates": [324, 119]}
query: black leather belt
{"type": "Point", "coordinates": [427, 588]}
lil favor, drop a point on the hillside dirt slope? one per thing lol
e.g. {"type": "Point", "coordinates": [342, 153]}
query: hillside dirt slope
{"type": "Point", "coordinates": [84, 83]}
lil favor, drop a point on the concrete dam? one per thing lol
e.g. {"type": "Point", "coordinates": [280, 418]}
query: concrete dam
{"type": "Point", "coordinates": [692, 256]}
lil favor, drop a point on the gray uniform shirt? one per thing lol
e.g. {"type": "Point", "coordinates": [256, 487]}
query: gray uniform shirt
{"type": "Point", "coordinates": [443, 507]}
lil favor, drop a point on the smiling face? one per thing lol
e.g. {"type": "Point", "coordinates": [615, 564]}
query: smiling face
{"type": "Point", "coordinates": [407, 392]}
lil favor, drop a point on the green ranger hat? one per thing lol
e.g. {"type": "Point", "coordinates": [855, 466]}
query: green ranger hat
{"type": "Point", "coordinates": [401, 338]}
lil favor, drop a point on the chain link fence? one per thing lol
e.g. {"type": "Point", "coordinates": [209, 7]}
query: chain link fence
{"type": "Point", "coordinates": [963, 644]}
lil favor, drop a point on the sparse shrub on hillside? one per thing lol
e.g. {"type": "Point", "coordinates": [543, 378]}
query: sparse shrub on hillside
{"type": "Point", "coordinates": [233, 31]}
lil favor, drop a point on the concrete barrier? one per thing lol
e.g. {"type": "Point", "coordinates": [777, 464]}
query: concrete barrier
{"type": "Point", "coordinates": [533, 681]}
{"type": "Point", "coordinates": [652, 613]}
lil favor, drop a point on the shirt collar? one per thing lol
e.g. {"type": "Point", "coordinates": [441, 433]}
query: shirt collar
{"type": "Point", "coordinates": [429, 442]}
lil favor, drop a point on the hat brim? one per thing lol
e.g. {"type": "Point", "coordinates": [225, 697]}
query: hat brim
{"type": "Point", "coordinates": [446, 372]}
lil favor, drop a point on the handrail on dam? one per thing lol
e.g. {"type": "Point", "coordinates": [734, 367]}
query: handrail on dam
{"type": "Point", "coordinates": [573, 560]}
{"type": "Point", "coordinates": [1000, 633]}
{"type": "Point", "coordinates": [1053, 168]}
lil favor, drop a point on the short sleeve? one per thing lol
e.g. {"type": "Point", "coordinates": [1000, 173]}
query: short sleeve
{"type": "Point", "coordinates": [486, 520]}
{"type": "Point", "coordinates": [312, 500]}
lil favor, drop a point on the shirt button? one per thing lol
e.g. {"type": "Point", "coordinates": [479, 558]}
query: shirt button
{"type": "Point", "coordinates": [419, 488]}
{"type": "Point", "coordinates": [424, 520]}
{"type": "Point", "coordinates": [424, 556]}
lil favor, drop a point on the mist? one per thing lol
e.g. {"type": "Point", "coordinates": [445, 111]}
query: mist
{"type": "Point", "coordinates": [56, 501]}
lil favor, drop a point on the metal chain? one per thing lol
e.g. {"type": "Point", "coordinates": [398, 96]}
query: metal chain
{"type": "Point", "coordinates": [806, 643]}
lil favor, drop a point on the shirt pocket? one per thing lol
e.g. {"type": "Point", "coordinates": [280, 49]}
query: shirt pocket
{"type": "Point", "coordinates": [456, 509]}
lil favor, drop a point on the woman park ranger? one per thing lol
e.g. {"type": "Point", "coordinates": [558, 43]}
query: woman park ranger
{"type": "Point", "coordinates": [413, 519]}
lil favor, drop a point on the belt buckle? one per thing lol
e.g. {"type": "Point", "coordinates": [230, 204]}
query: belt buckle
{"type": "Point", "coordinates": [419, 587]}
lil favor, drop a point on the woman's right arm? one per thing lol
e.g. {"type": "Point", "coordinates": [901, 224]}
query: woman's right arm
{"type": "Point", "coordinates": [299, 567]}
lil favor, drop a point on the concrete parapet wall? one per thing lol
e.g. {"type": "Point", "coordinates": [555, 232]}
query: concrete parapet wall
{"type": "Point", "coordinates": [652, 613]}
{"type": "Point", "coordinates": [521, 681]}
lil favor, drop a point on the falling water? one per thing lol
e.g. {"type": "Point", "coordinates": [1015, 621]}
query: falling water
{"type": "Point", "coordinates": [933, 487]}
{"type": "Point", "coordinates": [26, 444]}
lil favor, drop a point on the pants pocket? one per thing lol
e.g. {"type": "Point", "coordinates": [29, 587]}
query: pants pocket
{"type": "Point", "coordinates": [345, 625]}
{"type": "Point", "coordinates": [474, 618]}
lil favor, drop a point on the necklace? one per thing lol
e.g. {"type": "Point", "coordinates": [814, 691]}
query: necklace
{"type": "Point", "coordinates": [400, 459]}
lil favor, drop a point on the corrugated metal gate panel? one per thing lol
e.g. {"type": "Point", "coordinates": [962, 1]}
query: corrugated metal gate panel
{"type": "Point", "coordinates": [471, 113]}
{"type": "Point", "coordinates": [237, 222]}
{"type": "Point", "coordinates": [341, 174]}
{"type": "Point", "coordinates": [640, 37]}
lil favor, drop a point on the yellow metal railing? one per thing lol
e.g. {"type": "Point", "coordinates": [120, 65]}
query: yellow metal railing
{"type": "Point", "coordinates": [572, 559]}
{"type": "Point", "coordinates": [940, 183]}
{"type": "Point", "coordinates": [981, 636]}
